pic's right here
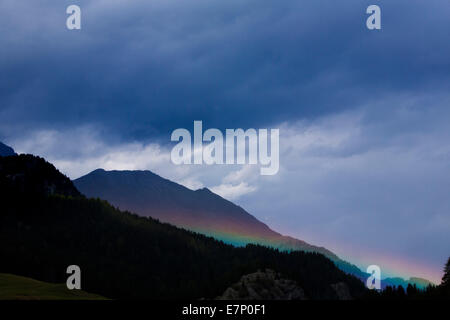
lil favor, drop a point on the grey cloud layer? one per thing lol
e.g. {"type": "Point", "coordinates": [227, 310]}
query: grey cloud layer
{"type": "Point", "coordinates": [141, 69]}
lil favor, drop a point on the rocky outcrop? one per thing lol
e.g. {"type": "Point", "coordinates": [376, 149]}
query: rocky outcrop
{"type": "Point", "coordinates": [263, 285]}
{"type": "Point", "coordinates": [342, 291]}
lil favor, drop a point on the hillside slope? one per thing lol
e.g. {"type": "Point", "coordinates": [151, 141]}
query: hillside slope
{"type": "Point", "coordinates": [46, 225]}
{"type": "Point", "coordinates": [21, 288]}
{"type": "Point", "coordinates": [203, 211]}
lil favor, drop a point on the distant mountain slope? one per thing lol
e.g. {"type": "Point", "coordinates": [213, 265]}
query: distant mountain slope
{"type": "Point", "coordinates": [419, 282]}
{"type": "Point", "coordinates": [6, 151]}
{"type": "Point", "coordinates": [44, 229]}
{"type": "Point", "coordinates": [202, 211]}
{"type": "Point", "coordinates": [150, 195]}
{"type": "Point", "coordinates": [21, 288]}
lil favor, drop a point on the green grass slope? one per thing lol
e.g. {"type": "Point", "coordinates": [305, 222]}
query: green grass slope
{"type": "Point", "coordinates": [14, 287]}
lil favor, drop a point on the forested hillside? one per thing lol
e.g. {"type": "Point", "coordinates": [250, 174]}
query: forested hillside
{"type": "Point", "coordinates": [46, 225]}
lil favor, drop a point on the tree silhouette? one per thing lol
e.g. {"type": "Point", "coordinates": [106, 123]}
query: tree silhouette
{"type": "Point", "coordinates": [446, 277]}
{"type": "Point", "coordinates": [445, 285]}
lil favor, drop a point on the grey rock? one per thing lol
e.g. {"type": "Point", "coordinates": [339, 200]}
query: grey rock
{"type": "Point", "coordinates": [342, 291]}
{"type": "Point", "coordinates": [263, 285]}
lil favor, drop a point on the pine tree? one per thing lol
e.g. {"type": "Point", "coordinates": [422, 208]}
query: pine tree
{"type": "Point", "coordinates": [446, 277]}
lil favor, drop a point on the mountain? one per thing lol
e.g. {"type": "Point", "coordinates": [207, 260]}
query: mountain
{"type": "Point", "coordinates": [6, 151]}
{"type": "Point", "coordinates": [203, 211]}
{"type": "Point", "coordinates": [150, 195]}
{"type": "Point", "coordinates": [419, 282]}
{"type": "Point", "coordinates": [47, 225]}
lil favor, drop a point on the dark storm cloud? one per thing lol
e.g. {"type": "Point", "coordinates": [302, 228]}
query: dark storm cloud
{"type": "Point", "coordinates": [139, 69]}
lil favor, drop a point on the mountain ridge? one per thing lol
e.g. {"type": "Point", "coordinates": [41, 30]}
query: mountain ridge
{"type": "Point", "coordinates": [203, 211]}
{"type": "Point", "coordinates": [148, 194]}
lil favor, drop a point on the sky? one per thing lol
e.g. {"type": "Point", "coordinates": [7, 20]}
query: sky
{"type": "Point", "coordinates": [363, 115]}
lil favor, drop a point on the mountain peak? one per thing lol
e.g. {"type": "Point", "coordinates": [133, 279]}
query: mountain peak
{"type": "Point", "coordinates": [206, 190]}
{"type": "Point", "coordinates": [121, 172]}
{"type": "Point", "coordinates": [99, 170]}
{"type": "Point", "coordinates": [6, 151]}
